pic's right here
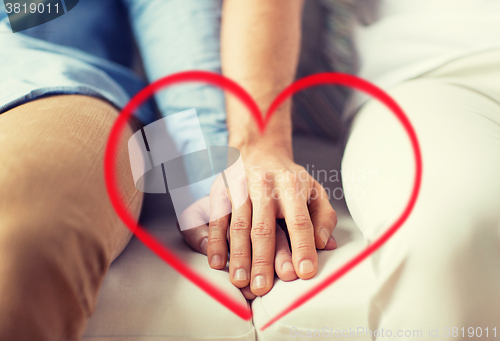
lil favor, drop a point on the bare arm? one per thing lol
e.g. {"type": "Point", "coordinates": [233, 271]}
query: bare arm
{"type": "Point", "coordinates": [260, 44]}
{"type": "Point", "coordinates": [260, 48]}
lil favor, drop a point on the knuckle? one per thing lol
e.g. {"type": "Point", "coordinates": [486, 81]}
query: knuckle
{"type": "Point", "coordinates": [268, 176]}
{"type": "Point", "coordinates": [262, 262]}
{"type": "Point", "coordinates": [300, 222]}
{"type": "Point", "coordinates": [241, 181]}
{"type": "Point", "coordinates": [303, 246]}
{"type": "Point", "coordinates": [264, 184]}
{"type": "Point", "coordinates": [216, 239]}
{"type": "Point", "coordinates": [260, 191]}
{"type": "Point", "coordinates": [332, 215]}
{"type": "Point", "coordinates": [240, 224]}
{"type": "Point", "coordinates": [261, 229]}
{"type": "Point", "coordinates": [239, 254]}
{"type": "Point", "coordinates": [216, 226]}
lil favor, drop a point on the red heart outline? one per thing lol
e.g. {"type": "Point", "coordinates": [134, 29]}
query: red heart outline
{"type": "Point", "coordinates": [232, 87]}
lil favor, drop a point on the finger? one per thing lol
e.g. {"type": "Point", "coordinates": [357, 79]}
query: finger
{"type": "Point", "coordinates": [240, 246]}
{"type": "Point", "coordinates": [263, 244]}
{"type": "Point", "coordinates": [332, 244]}
{"type": "Point", "coordinates": [220, 208]}
{"type": "Point", "coordinates": [217, 243]}
{"type": "Point", "coordinates": [196, 215]}
{"type": "Point", "coordinates": [248, 293]}
{"type": "Point", "coordinates": [283, 258]}
{"type": "Point", "coordinates": [197, 238]}
{"type": "Point", "coordinates": [300, 228]}
{"type": "Point", "coordinates": [323, 216]}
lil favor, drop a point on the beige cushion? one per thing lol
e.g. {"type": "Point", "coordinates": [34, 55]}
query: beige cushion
{"type": "Point", "coordinates": [341, 306]}
{"type": "Point", "coordinates": [143, 298]}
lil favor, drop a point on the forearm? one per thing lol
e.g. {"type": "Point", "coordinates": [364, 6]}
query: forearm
{"type": "Point", "coordinates": [181, 35]}
{"type": "Point", "coordinates": [260, 43]}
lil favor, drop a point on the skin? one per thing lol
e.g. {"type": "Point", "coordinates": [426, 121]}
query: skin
{"type": "Point", "coordinates": [260, 42]}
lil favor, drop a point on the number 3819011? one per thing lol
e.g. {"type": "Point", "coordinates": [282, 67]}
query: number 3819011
{"type": "Point", "coordinates": [31, 8]}
{"type": "Point", "coordinates": [470, 332]}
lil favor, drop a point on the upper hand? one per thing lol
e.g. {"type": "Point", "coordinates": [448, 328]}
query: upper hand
{"type": "Point", "coordinates": [277, 188]}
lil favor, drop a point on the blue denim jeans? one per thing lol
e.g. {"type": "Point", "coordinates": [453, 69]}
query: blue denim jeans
{"type": "Point", "coordinates": [90, 50]}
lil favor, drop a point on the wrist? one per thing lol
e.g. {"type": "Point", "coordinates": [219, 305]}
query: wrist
{"type": "Point", "coordinates": [246, 137]}
{"type": "Point", "coordinates": [268, 143]}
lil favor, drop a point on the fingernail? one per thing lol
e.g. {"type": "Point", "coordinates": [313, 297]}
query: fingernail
{"type": "Point", "coordinates": [204, 245]}
{"type": "Point", "coordinates": [240, 275]}
{"type": "Point", "coordinates": [324, 234]}
{"type": "Point", "coordinates": [259, 282]}
{"type": "Point", "coordinates": [306, 266]}
{"type": "Point", "coordinates": [287, 267]}
{"type": "Point", "coordinates": [216, 261]}
{"type": "Point", "coordinates": [332, 240]}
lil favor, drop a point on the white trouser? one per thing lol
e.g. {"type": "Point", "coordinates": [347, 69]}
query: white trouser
{"type": "Point", "coordinates": [442, 268]}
